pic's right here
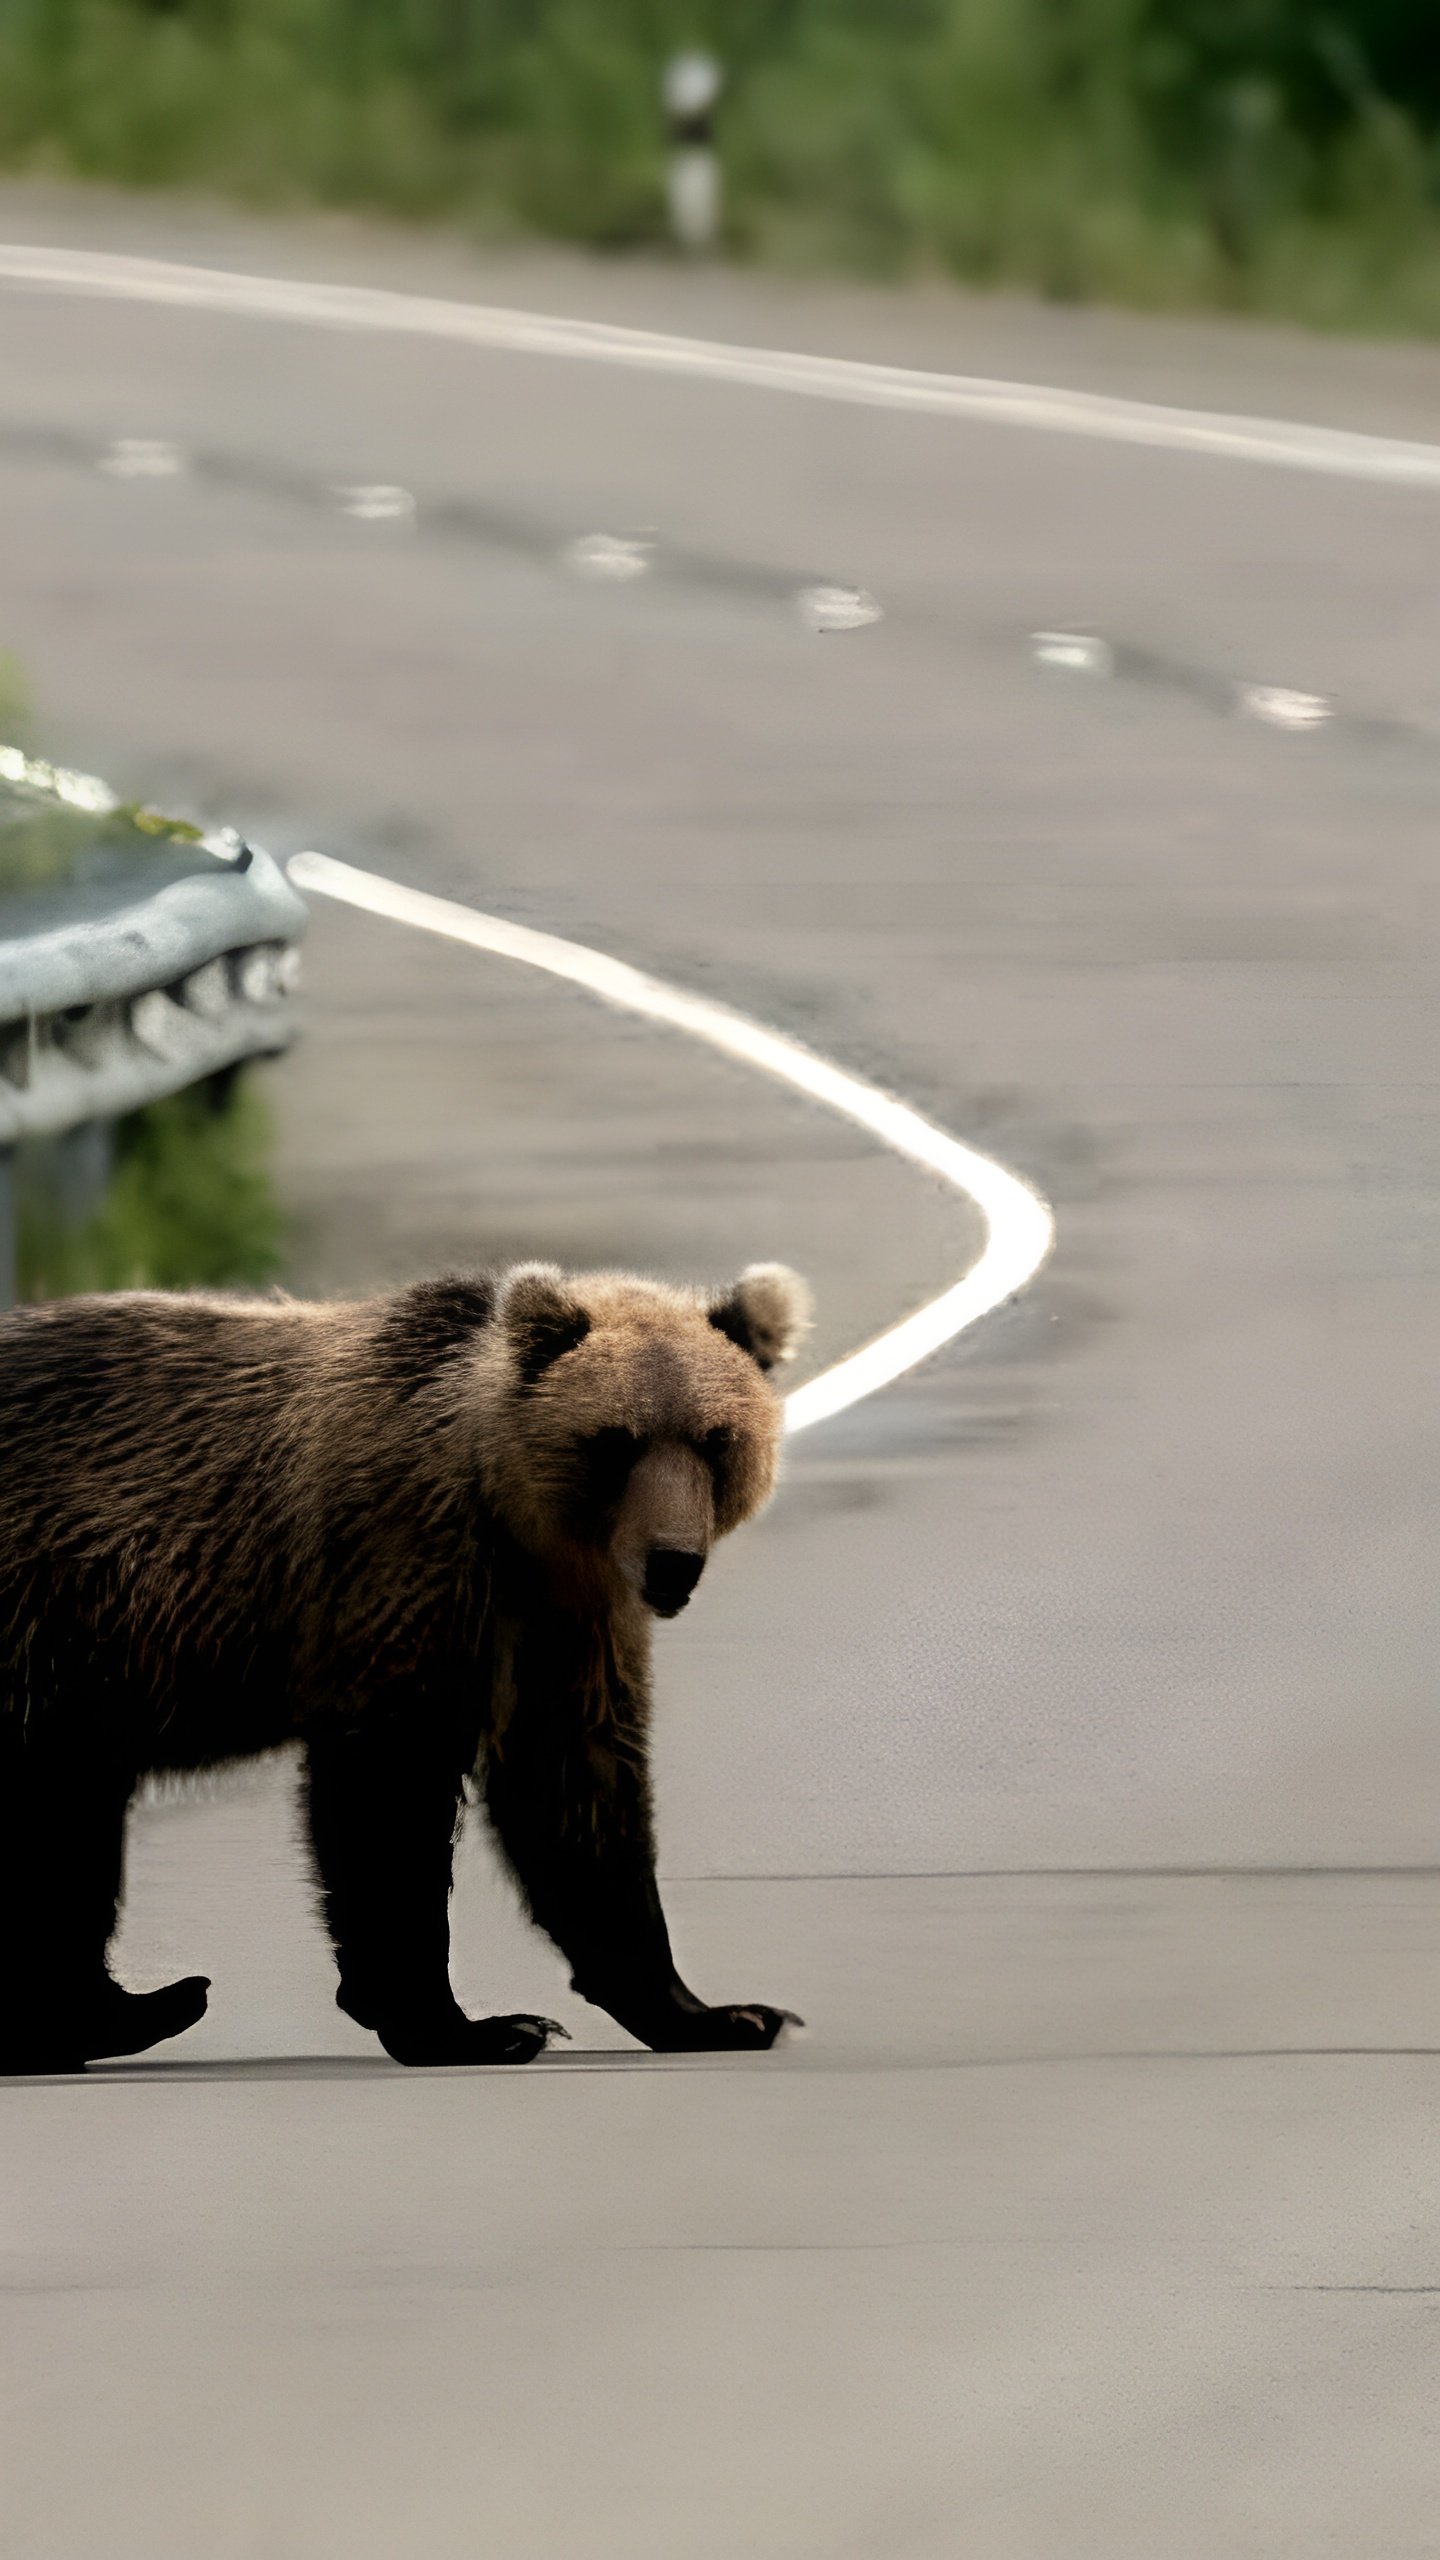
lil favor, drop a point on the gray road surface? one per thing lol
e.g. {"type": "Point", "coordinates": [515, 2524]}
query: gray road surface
{"type": "Point", "coordinates": [1097, 2212]}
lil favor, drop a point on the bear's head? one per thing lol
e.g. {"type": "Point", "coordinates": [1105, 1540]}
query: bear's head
{"type": "Point", "coordinates": [638, 1422]}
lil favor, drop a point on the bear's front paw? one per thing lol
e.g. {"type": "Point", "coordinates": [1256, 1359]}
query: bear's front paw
{"type": "Point", "coordinates": [437, 2043]}
{"type": "Point", "coordinates": [736, 2029]}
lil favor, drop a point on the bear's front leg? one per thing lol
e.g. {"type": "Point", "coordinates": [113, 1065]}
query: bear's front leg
{"type": "Point", "coordinates": [384, 1814]}
{"type": "Point", "coordinates": [568, 1794]}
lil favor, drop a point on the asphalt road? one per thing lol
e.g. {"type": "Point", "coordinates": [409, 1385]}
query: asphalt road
{"type": "Point", "coordinates": [1097, 2213]}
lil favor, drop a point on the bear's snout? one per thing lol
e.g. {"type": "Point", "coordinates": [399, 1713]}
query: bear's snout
{"type": "Point", "coordinates": [671, 1574]}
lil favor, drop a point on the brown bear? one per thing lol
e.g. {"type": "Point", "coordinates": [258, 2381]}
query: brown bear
{"type": "Point", "coordinates": [423, 1536]}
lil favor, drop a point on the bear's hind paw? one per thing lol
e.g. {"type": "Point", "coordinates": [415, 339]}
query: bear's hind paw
{"type": "Point", "coordinates": [126, 2022]}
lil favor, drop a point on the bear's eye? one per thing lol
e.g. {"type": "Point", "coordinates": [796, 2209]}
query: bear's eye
{"type": "Point", "coordinates": [715, 1447]}
{"type": "Point", "coordinates": [607, 1458]}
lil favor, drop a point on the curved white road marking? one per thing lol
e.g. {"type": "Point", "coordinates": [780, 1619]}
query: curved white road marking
{"type": "Point", "coordinates": [1021, 1229]}
{"type": "Point", "coordinates": [1337, 450]}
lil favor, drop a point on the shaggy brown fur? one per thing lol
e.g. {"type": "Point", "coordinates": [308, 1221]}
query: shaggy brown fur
{"type": "Point", "coordinates": [424, 1536]}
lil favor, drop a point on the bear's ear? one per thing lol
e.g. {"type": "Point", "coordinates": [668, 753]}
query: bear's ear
{"type": "Point", "coordinates": [541, 1315]}
{"type": "Point", "coordinates": [767, 1313]}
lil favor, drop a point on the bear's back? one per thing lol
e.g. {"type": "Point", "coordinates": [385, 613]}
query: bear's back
{"type": "Point", "coordinates": [225, 1514]}
{"type": "Point", "coordinates": [101, 1397]}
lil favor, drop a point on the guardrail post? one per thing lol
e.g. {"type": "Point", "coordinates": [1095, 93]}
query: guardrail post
{"type": "Point", "coordinates": [84, 1162]}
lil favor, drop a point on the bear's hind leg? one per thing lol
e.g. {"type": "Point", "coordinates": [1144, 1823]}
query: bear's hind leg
{"type": "Point", "coordinates": [118, 2022]}
{"type": "Point", "coordinates": [62, 1838]}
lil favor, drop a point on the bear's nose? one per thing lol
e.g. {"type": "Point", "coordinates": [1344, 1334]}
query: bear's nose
{"type": "Point", "coordinates": [670, 1576]}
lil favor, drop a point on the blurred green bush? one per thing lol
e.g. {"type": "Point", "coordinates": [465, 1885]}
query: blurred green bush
{"type": "Point", "coordinates": [1268, 154]}
{"type": "Point", "coordinates": [189, 1203]}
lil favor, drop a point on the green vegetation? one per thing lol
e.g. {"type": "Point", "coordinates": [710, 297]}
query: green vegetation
{"type": "Point", "coordinates": [1272, 155]}
{"type": "Point", "coordinates": [188, 1204]}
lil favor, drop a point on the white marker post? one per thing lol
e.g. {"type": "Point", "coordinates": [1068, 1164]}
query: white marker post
{"type": "Point", "coordinates": [690, 90]}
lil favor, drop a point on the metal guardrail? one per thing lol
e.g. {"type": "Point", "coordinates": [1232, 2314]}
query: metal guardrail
{"type": "Point", "coordinates": [115, 991]}
{"type": "Point", "coordinates": [130, 996]}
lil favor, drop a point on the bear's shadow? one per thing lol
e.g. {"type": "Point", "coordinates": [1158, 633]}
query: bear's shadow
{"type": "Point", "coordinates": [359, 2066]}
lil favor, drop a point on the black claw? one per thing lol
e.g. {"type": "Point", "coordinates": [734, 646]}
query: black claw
{"type": "Point", "coordinates": [541, 2030]}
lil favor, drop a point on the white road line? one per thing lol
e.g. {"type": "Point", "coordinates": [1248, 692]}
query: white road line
{"type": "Point", "coordinates": [1335, 450]}
{"type": "Point", "coordinates": [1020, 1227]}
